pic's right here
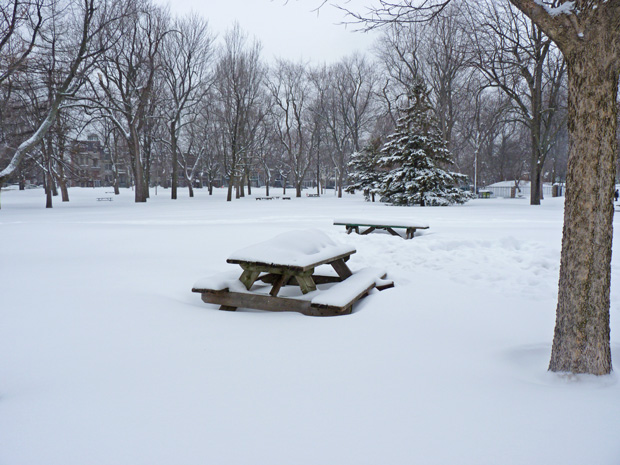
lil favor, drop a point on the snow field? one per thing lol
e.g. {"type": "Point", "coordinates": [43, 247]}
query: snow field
{"type": "Point", "coordinates": [108, 358]}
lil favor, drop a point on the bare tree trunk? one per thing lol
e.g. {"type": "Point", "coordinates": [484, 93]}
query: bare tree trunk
{"type": "Point", "coordinates": [231, 183]}
{"type": "Point", "coordinates": [48, 189]}
{"type": "Point", "coordinates": [139, 169]}
{"type": "Point", "coordinates": [62, 182]}
{"type": "Point", "coordinates": [581, 341]}
{"type": "Point", "coordinates": [249, 180]}
{"type": "Point", "coordinates": [54, 188]}
{"type": "Point", "coordinates": [175, 161]}
{"type": "Point", "coordinates": [537, 162]}
{"type": "Point", "coordinates": [318, 178]}
{"type": "Point", "coordinates": [63, 190]}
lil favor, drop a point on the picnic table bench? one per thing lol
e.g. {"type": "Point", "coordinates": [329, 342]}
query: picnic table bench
{"type": "Point", "coordinates": [388, 225]}
{"type": "Point", "coordinates": [280, 275]}
{"type": "Point", "coordinates": [99, 199]}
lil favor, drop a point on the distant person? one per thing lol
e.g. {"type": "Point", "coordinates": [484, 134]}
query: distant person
{"type": "Point", "coordinates": [616, 195]}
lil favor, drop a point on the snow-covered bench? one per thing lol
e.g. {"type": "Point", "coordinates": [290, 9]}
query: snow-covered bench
{"type": "Point", "coordinates": [279, 275]}
{"type": "Point", "coordinates": [354, 224]}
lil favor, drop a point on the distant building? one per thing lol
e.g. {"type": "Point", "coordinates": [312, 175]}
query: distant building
{"type": "Point", "coordinates": [512, 189]}
{"type": "Point", "coordinates": [91, 163]}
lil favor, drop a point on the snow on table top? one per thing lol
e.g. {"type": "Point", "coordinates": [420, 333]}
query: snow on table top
{"type": "Point", "coordinates": [393, 223]}
{"type": "Point", "coordinates": [302, 248]}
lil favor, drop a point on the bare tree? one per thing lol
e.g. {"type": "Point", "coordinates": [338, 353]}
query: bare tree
{"type": "Point", "coordinates": [83, 41]}
{"type": "Point", "coordinates": [238, 88]}
{"type": "Point", "coordinates": [127, 77]}
{"type": "Point", "coordinates": [346, 102]}
{"type": "Point", "coordinates": [186, 58]}
{"type": "Point", "coordinates": [516, 56]}
{"type": "Point", "coordinates": [291, 93]}
{"type": "Point", "coordinates": [20, 22]}
{"type": "Point", "coordinates": [587, 32]}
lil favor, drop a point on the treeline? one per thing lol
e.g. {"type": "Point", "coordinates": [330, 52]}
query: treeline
{"type": "Point", "coordinates": [173, 102]}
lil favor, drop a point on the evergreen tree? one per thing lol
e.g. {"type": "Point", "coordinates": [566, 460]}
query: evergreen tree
{"type": "Point", "coordinates": [413, 157]}
{"type": "Point", "coordinates": [364, 174]}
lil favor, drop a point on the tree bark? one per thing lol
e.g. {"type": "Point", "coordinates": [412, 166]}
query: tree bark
{"type": "Point", "coordinates": [48, 189]}
{"type": "Point", "coordinates": [63, 189]}
{"type": "Point", "coordinates": [581, 339]}
{"type": "Point", "coordinates": [231, 183]}
{"type": "Point", "coordinates": [138, 168]}
{"type": "Point", "coordinates": [537, 159]}
{"type": "Point", "coordinates": [175, 161]}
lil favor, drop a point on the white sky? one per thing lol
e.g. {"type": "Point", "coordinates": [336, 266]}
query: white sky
{"type": "Point", "coordinates": [287, 30]}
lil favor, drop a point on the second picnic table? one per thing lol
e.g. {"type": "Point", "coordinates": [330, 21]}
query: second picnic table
{"type": "Point", "coordinates": [290, 260]}
{"type": "Point", "coordinates": [354, 224]}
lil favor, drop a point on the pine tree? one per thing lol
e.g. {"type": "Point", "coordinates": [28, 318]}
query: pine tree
{"type": "Point", "coordinates": [413, 157]}
{"type": "Point", "coordinates": [364, 175]}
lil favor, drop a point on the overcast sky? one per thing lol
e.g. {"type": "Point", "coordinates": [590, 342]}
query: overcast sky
{"type": "Point", "coordinates": [288, 30]}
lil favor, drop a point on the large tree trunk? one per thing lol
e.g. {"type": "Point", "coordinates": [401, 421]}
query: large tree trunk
{"type": "Point", "coordinates": [581, 341]}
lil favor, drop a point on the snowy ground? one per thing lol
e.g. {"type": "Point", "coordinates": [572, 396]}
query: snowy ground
{"type": "Point", "coordinates": [109, 359]}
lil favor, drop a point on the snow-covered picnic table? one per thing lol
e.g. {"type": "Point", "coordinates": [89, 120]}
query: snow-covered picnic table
{"type": "Point", "coordinates": [354, 224]}
{"type": "Point", "coordinates": [279, 275]}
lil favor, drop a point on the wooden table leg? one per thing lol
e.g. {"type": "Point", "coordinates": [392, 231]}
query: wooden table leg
{"type": "Point", "coordinates": [369, 230]}
{"type": "Point", "coordinates": [248, 277]}
{"type": "Point", "coordinates": [306, 284]}
{"type": "Point", "coordinates": [341, 268]}
{"type": "Point", "coordinates": [392, 232]}
{"type": "Point", "coordinates": [278, 284]}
